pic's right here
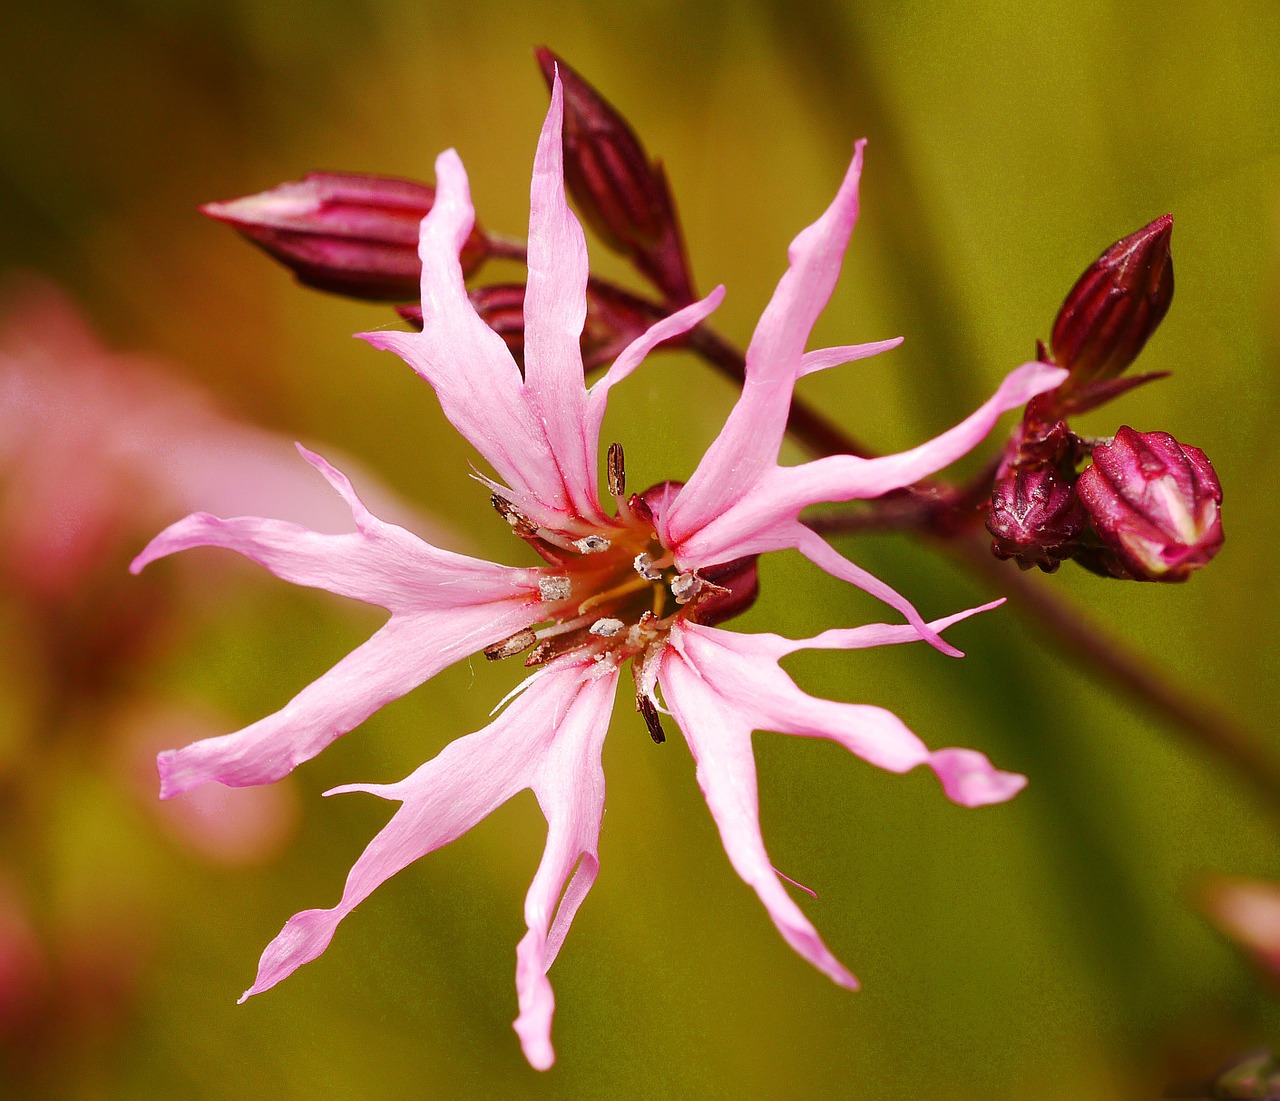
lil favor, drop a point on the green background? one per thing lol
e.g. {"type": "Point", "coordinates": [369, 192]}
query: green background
{"type": "Point", "coordinates": [1040, 950]}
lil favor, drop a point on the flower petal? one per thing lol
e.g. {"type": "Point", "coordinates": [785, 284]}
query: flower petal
{"type": "Point", "coordinates": [378, 563]}
{"type": "Point", "coordinates": [971, 780]}
{"type": "Point", "coordinates": [631, 356]}
{"type": "Point", "coordinates": [719, 738]}
{"type": "Point", "coordinates": [847, 477]}
{"type": "Point", "coordinates": [441, 800]}
{"type": "Point", "coordinates": [822, 358]}
{"type": "Point", "coordinates": [761, 518]}
{"type": "Point", "coordinates": [741, 673]}
{"type": "Point", "coordinates": [569, 785]}
{"type": "Point", "coordinates": [555, 308]}
{"type": "Point", "coordinates": [407, 651]}
{"type": "Point", "coordinates": [748, 445]}
{"type": "Point", "coordinates": [466, 362]}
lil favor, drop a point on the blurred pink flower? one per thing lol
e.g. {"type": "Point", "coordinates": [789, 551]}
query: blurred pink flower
{"type": "Point", "coordinates": [644, 585]}
{"type": "Point", "coordinates": [97, 447]}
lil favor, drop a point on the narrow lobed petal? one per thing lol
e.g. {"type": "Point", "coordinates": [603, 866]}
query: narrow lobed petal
{"type": "Point", "coordinates": [569, 784]}
{"type": "Point", "coordinates": [379, 563]}
{"type": "Point", "coordinates": [554, 312]}
{"type": "Point", "coordinates": [822, 358]}
{"type": "Point", "coordinates": [720, 740]}
{"type": "Point", "coordinates": [748, 445]}
{"type": "Point", "coordinates": [469, 365]}
{"type": "Point", "coordinates": [407, 651]}
{"type": "Point", "coordinates": [440, 801]}
{"type": "Point", "coordinates": [848, 477]}
{"type": "Point", "coordinates": [971, 780]}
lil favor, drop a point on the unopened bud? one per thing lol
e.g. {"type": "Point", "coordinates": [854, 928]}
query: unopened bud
{"type": "Point", "coordinates": [1155, 504]}
{"type": "Point", "coordinates": [730, 589]}
{"type": "Point", "coordinates": [1115, 306]}
{"type": "Point", "coordinates": [614, 319]}
{"type": "Point", "coordinates": [348, 234]}
{"type": "Point", "coordinates": [620, 192]}
{"type": "Point", "coordinates": [1036, 517]}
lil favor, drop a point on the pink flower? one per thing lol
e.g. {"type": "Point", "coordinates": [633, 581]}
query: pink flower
{"type": "Point", "coordinates": [642, 585]}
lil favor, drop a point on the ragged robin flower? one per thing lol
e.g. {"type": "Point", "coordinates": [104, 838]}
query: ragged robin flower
{"type": "Point", "coordinates": [642, 583]}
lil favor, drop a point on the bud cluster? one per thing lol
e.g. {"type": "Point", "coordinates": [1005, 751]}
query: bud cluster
{"type": "Point", "coordinates": [1148, 507]}
{"type": "Point", "coordinates": [357, 234]}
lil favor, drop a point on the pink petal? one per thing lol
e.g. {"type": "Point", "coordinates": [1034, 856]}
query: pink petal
{"type": "Point", "coordinates": [467, 363]}
{"type": "Point", "coordinates": [379, 563]}
{"type": "Point", "coordinates": [763, 517]}
{"type": "Point", "coordinates": [742, 669]}
{"type": "Point", "coordinates": [441, 800]}
{"type": "Point", "coordinates": [748, 444]}
{"type": "Point", "coordinates": [971, 780]}
{"type": "Point", "coordinates": [847, 477]}
{"type": "Point", "coordinates": [809, 543]}
{"type": "Point", "coordinates": [569, 784]}
{"type": "Point", "coordinates": [555, 308]}
{"type": "Point", "coordinates": [549, 739]}
{"type": "Point", "coordinates": [719, 738]}
{"type": "Point", "coordinates": [823, 358]}
{"type": "Point", "coordinates": [407, 651]}
{"type": "Point", "coordinates": [672, 326]}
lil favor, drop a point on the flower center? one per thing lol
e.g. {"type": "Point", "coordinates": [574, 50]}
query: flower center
{"type": "Point", "coordinates": [612, 592]}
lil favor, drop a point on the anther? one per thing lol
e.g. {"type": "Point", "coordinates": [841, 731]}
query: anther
{"type": "Point", "coordinates": [509, 647]}
{"type": "Point", "coordinates": [512, 515]}
{"type": "Point", "coordinates": [645, 568]}
{"type": "Point", "coordinates": [685, 586]}
{"type": "Point", "coordinates": [592, 544]}
{"type": "Point", "coordinates": [553, 587]}
{"type": "Point", "coordinates": [617, 471]}
{"type": "Point", "coordinates": [607, 627]}
{"type": "Point", "coordinates": [651, 719]}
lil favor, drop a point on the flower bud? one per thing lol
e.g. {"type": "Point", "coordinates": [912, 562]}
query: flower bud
{"type": "Point", "coordinates": [1035, 516]}
{"type": "Point", "coordinates": [623, 195]}
{"type": "Point", "coordinates": [348, 234]}
{"type": "Point", "coordinates": [1115, 306]}
{"type": "Point", "coordinates": [614, 319]}
{"type": "Point", "coordinates": [1155, 504]}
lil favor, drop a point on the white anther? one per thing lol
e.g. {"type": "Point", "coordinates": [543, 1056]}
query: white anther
{"type": "Point", "coordinates": [592, 544]}
{"type": "Point", "coordinates": [554, 587]}
{"type": "Point", "coordinates": [607, 628]}
{"type": "Point", "coordinates": [685, 586]}
{"type": "Point", "coordinates": [644, 567]}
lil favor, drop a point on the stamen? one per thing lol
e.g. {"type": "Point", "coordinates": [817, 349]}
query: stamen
{"type": "Point", "coordinates": [554, 587]}
{"type": "Point", "coordinates": [592, 544]}
{"type": "Point", "coordinates": [685, 586]}
{"type": "Point", "coordinates": [651, 719]}
{"type": "Point", "coordinates": [607, 627]}
{"type": "Point", "coordinates": [509, 647]}
{"type": "Point", "coordinates": [617, 471]}
{"type": "Point", "coordinates": [563, 628]}
{"type": "Point", "coordinates": [644, 566]}
{"type": "Point", "coordinates": [513, 516]}
{"type": "Point", "coordinates": [610, 594]}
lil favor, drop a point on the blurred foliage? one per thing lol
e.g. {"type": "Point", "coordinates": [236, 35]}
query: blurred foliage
{"type": "Point", "coordinates": [1039, 950]}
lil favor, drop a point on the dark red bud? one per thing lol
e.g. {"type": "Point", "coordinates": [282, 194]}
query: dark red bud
{"type": "Point", "coordinates": [1035, 516]}
{"type": "Point", "coordinates": [732, 589]}
{"type": "Point", "coordinates": [1156, 506]}
{"type": "Point", "coordinates": [1115, 306]}
{"type": "Point", "coordinates": [347, 234]}
{"type": "Point", "coordinates": [621, 193]}
{"type": "Point", "coordinates": [614, 318]}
